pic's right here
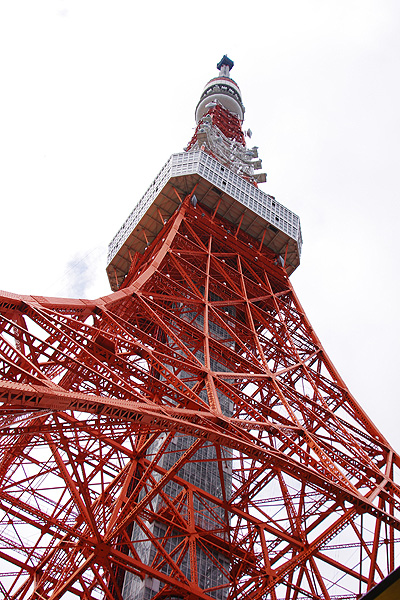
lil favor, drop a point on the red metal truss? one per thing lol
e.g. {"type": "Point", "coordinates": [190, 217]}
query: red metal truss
{"type": "Point", "coordinates": [95, 394]}
{"type": "Point", "coordinates": [227, 122]}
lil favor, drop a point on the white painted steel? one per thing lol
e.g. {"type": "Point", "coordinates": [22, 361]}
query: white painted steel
{"type": "Point", "coordinates": [226, 91]}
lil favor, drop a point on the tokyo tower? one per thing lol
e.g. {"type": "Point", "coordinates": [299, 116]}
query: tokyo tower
{"type": "Point", "coordinates": [187, 436]}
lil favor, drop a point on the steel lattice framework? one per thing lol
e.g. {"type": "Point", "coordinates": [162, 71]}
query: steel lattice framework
{"type": "Point", "coordinates": [87, 387]}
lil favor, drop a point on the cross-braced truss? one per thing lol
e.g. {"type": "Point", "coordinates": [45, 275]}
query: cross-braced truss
{"type": "Point", "coordinates": [96, 395]}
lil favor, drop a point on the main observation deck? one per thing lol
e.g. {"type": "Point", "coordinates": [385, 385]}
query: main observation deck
{"type": "Point", "coordinates": [263, 217]}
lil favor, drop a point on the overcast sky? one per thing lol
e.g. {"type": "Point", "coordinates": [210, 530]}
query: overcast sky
{"type": "Point", "coordinates": [97, 95]}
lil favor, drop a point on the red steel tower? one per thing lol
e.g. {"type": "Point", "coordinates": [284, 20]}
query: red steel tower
{"type": "Point", "coordinates": [187, 436]}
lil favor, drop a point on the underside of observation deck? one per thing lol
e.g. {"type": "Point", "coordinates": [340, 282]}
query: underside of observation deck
{"type": "Point", "coordinates": [243, 206]}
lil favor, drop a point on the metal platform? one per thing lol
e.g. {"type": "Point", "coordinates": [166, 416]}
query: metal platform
{"type": "Point", "coordinates": [263, 216]}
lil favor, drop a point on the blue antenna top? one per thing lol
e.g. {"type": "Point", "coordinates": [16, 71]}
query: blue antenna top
{"type": "Point", "coordinates": [225, 62]}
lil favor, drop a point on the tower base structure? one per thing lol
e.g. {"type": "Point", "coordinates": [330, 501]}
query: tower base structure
{"type": "Point", "coordinates": [96, 395]}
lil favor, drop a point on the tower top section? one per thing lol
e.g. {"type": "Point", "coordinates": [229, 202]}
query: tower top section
{"type": "Point", "coordinates": [219, 117]}
{"type": "Point", "coordinates": [221, 89]}
{"type": "Point", "coordinates": [221, 169]}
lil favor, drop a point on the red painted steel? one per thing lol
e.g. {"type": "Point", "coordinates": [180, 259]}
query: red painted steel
{"type": "Point", "coordinates": [87, 387]}
{"type": "Point", "coordinates": [228, 123]}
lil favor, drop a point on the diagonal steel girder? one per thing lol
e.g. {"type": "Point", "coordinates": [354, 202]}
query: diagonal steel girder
{"type": "Point", "coordinates": [214, 428]}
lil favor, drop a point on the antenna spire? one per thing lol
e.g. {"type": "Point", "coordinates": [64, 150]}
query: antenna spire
{"type": "Point", "coordinates": [225, 65]}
